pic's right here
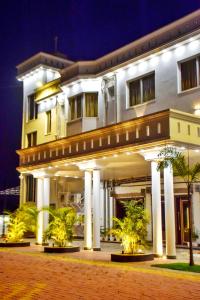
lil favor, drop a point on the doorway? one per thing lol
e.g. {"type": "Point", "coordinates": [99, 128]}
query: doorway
{"type": "Point", "coordinates": [182, 219]}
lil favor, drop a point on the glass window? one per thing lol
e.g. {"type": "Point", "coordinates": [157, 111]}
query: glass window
{"type": "Point", "coordinates": [79, 106]}
{"type": "Point", "coordinates": [30, 188]}
{"type": "Point", "coordinates": [142, 90]}
{"type": "Point", "coordinates": [188, 74]}
{"type": "Point", "coordinates": [32, 139]}
{"type": "Point", "coordinates": [32, 108]}
{"type": "Point", "coordinates": [148, 85]}
{"type": "Point", "coordinates": [134, 92]}
{"type": "Point", "coordinates": [48, 121]}
{"type": "Point", "coordinates": [75, 104]}
{"type": "Point", "coordinates": [91, 105]}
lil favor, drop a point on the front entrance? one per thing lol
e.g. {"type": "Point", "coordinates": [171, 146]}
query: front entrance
{"type": "Point", "coordinates": [182, 219]}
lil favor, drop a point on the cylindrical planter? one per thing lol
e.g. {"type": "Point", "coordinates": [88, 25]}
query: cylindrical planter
{"type": "Point", "coordinates": [49, 249]}
{"type": "Point", "coordinates": [12, 244]}
{"type": "Point", "coordinates": [118, 257]}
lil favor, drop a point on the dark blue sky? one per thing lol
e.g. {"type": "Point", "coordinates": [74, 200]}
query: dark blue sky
{"type": "Point", "coordinates": [86, 29]}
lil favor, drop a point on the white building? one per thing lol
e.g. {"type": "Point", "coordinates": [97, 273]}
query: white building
{"type": "Point", "coordinates": [92, 131]}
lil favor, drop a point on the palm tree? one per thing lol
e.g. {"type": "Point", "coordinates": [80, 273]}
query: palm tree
{"type": "Point", "coordinates": [169, 156]}
{"type": "Point", "coordinates": [61, 225]}
{"type": "Point", "coordinates": [29, 214]}
{"type": "Point", "coordinates": [132, 229]}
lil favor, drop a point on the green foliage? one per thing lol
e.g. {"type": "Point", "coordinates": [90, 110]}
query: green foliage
{"type": "Point", "coordinates": [28, 213]}
{"type": "Point", "coordinates": [170, 156]}
{"type": "Point", "coordinates": [16, 229]}
{"type": "Point", "coordinates": [179, 266]}
{"type": "Point", "coordinates": [132, 229]}
{"type": "Point", "coordinates": [61, 225]}
{"type": "Point", "coordinates": [22, 220]}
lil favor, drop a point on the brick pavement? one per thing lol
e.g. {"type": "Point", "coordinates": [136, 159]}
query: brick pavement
{"type": "Point", "coordinates": [27, 275]}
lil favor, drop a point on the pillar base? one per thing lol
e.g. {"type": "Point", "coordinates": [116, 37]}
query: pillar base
{"type": "Point", "coordinates": [171, 256]}
{"type": "Point", "coordinates": [96, 249]}
{"type": "Point", "coordinates": [87, 248]}
{"type": "Point", "coordinates": [158, 255]}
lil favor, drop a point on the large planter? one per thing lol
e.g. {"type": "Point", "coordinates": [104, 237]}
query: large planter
{"type": "Point", "coordinates": [51, 249]}
{"type": "Point", "coordinates": [119, 257]}
{"type": "Point", "coordinates": [12, 244]}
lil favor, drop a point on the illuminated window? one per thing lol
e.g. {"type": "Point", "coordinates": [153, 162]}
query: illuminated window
{"type": "Point", "coordinates": [87, 100]}
{"type": "Point", "coordinates": [75, 104]}
{"type": "Point", "coordinates": [189, 74]}
{"type": "Point", "coordinates": [48, 122]}
{"type": "Point", "coordinates": [32, 139]}
{"type": "Point", "coordinates": [142, 90]}
{"type": "Point", "coordinates": [32, 108]}
{"type": "Point", "coordinates": [91, 105]}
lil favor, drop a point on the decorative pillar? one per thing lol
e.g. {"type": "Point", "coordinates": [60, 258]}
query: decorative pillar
{"type": "Point", "coordinates": [87, 211]}
{"type": "Point", "coordinates": [169, 213]}
{"type": "Point", "coordinates": [111, 216]}
{"type": "Point", "coordinates": [40, 195]}
{"type": "Point", "coordinates": [196, 211]}
{"type": "Point", "coordinates": [96, 210]}
{"type": "Point", "coordinates": [148, 206]}
{"type": "Point", "coordinates": [156, 210]}
{"type": "Point", "coordinates": [22, 189]}
{"type": "Point", "coordinates": [46, 201]}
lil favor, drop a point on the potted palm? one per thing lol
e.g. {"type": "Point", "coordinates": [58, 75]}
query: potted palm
{"type": "Point", "coordinates": [16, 230]}
{"type": "Point", "coordinates": [61, 229]}
{"type": "Point", "coordinates": [132, 231]}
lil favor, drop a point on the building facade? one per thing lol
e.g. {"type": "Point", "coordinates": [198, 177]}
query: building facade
{"type": "Point", "coordinates": [92, 131]}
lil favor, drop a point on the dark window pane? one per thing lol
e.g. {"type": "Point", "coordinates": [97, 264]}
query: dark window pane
{"type": "Point", "coordinates": [48, 120]}
{"type": "Point", "coordinates": [188, 74]}
{"type": "Point", "coordinates": [148, 85]}
{"type": "Point", "coordinates": [72, 108]}
{"type": "Point", "coordinates": [32, 108]}
{"type": "Point", "coordinates": [79, 106]}
{"type": "Point", "coordinates": [134, 93]}
{"type": "Point", "coordinates": [34, 143]}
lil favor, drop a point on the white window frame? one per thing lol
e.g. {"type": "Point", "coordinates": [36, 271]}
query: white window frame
{"type": "Point", "coordinates": [128, 106]}
{"type": "Point", "coordinates": [179, 87]}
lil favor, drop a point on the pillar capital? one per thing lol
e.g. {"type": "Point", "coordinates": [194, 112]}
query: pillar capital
{"type": "Point", "coordinates": [150, 155]}
{"type": "Point", "coordinates": [89, 165]}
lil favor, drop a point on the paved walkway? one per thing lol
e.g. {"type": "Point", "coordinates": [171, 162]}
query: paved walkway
{"type": "Point", "coordinates": [27, 274]}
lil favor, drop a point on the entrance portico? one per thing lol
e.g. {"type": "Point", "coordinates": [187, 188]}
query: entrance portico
{"type": "Point", "coordinates": [111, 156]}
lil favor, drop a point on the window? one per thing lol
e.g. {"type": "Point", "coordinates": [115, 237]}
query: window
{"type": "Point", "coordinates": [75, 104]}
{"type": "Point", "coordinates": [32, 139]}
{"type": "Point", "coordinates": [48, 122]}
{"type": "Point", "coordinates": [91, 105]}
{"type": "Point", "coordinates": [30, 188]}
{"type": "Point", "coordinates": [142, 90]}
{"type": "Point", "coordinates": [189, 74]}
{"type": "Point", "coordinates": [90, 101]}
{"type": "Point", "coordinates": [32, 108]}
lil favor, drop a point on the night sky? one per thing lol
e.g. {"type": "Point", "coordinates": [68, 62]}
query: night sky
{"type": "Point", "coordinates": [86, 29]}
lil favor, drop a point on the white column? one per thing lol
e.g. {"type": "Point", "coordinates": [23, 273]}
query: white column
{"type": "Point", "coordinates": [148, 208]}
{"type": "Point", "coordinates": [169, 213]}
{"type": "Point", "coordinates": [22, 189]}
{"type": "Point", "coordinates": [87, 211]}
{"type": "Point", "coordinates": [196, 212]}
{"type": "Point", "coordinates": [156, 210]}
{"type": "Point", "coordinates": [46, 201]}
{"type": "Point", "coordinates": [111, 201]}
{"type": "Point", "coordinates": [96, 210]}
{"type": "Point", "coordinates": [40, 194]}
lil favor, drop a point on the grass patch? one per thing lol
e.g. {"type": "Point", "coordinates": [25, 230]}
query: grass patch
{"type": "Point", "coordinates": [179, 266]}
